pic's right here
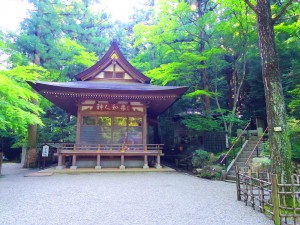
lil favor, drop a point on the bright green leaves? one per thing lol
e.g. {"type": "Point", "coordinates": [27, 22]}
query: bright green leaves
{"type": "Point", "coordinates": [199, 93]}
{"type": "Point", "coordinates": [201, 123]}
{"type": "Point", "coordinates": [165, 73]}
{"type": "Point", "coordinates": [16, 108]}
{"type": "Point", "coordinates": [295, 102]}
{"type": "Point", "coordinates": [73, 58]}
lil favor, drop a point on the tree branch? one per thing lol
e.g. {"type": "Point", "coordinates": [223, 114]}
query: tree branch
{"type": "Point", "coordinates": [283, 10]}
{"type": "Point", "coordinates": [251, 6]}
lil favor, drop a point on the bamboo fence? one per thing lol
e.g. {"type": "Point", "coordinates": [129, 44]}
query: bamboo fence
{"type": "Point", "coordinates": [269, 194]}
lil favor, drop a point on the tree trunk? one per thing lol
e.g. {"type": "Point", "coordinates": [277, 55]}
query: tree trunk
{"type": "Point", "coordinates": [275, 105]}
{"type": "Point", "coordinates": [204, 75]}
{"type": "Point", "coordinates": [205, 86]}
{"type": "Point", "coordinates": [31, 159]}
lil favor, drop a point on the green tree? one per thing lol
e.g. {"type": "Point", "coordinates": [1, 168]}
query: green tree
{"type": "Point", "coordinates": [234, 34]}
{"type": "Point", "coordinates": [41, 41]}
{"type": "Point", "coordinates": [89, 28]}
{"type": "Point", "coordinates": [17, 111]}
{"type": "Point", "coordinates": [276, 113]}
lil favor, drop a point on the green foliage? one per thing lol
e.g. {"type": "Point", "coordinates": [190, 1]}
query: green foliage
{"type": "Point", "coordinates": [266, 150]}
{"type": "Point", "coordinates": [87, 27]}
{"type": "Point", "coordinates": [66, 40]}
{"type": "Point", "coordinates": [200, 158]}
{"type": "Point", "coordinates": [260, 164]}
{"type": "Point", "coordinates": [200, 123]}
{"type": "Point", "coordinates": [16, 108]}
{"type": "Point", "coordinates": [198, 93]}
{"type": "Point", "coordinates": [169, 42]}
{"type": "Point", "coordinates": [73, 58]}
{"type": "Point", "coordinates": [233, 119]}
{"type": "Point", "coordinates": [294, 133]}
{"type": "Point", "coordinates": [295, 102]}
{"type": "Point", "coordinates": [59, 126]}
{"type": "Point", "coordinates": [213, 172]}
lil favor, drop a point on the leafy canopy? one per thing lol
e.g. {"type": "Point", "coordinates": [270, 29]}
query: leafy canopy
{"type": "Point", "coordinates": [16, 108]}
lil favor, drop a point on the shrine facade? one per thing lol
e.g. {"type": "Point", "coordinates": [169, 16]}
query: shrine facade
{"type": "Point", "coordinates": [114, 104]}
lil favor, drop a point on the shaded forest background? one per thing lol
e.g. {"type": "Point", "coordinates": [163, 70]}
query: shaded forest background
{"type": "Point", "coordinates": [209, 45]}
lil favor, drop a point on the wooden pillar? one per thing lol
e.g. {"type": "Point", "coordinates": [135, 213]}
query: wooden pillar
{"type": "Point", "coordinates": [74, 162]}
{"type": "Point", "coordinates": [146, 162]}
{"type": "Point", "coordinates": [145, 127]}
{"type": "Point", "coordinates": [60, 164]}
{"type": "Point", "coordinates": [158, 166]}
{"type": "Point", "coordinates": [79, 118]}
{"type": "Point", "coordinates": [98, 166]}
{"type": "Point", "coordinates": [63, 158]}
{"type": "Point", "coordinates": [59, 160]}
{"type": "Point", "coordinates": [122, 162]}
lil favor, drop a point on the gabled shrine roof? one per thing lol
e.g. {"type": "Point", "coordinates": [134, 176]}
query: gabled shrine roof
{"type": "Point", "coordinates": [113, 55]}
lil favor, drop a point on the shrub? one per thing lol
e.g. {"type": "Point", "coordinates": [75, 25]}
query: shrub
{"type": "Point", "coordinates": [211, 172]}
{"type": "Point", "coordinates": [260, 164]}
{"type": "Point", "coordinates": [265, 150]}
{"type": "Point", "coordinates": [200, 158]}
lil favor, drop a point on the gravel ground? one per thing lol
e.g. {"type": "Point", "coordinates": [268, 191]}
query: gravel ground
{"type": "Point", "coordinates": [120, 198]}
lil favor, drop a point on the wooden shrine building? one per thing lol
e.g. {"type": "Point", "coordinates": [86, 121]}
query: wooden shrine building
{"type": "Point", "coordinates": [114, 105]}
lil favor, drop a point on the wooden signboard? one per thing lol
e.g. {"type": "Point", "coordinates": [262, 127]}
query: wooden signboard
{"type": "Point", "coordinates": [45, 151]}
{"type": "Point", "coordinates": [112, 107]}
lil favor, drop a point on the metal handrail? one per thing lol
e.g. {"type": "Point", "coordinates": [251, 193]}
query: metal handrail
{"type": "Point", "coordinates": [256, 146]}
{"type": "Point", "coordinates": [234, 143]}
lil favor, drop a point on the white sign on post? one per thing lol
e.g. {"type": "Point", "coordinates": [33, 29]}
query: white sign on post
{"type": "Point", "coordinates": [45, 151]}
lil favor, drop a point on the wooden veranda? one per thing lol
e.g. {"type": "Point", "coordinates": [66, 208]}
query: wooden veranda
{"type": "Point", "coordinates": [111, 150]}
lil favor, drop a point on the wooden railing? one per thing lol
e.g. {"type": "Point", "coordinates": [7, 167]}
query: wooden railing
{"type": "Point", "coordinates": [115, 150]}
{"type": "Point", "coordinates": [111, 147]}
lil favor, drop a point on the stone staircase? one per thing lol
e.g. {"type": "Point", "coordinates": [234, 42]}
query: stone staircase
{"type": "Point", "coordinates": [243, 156]}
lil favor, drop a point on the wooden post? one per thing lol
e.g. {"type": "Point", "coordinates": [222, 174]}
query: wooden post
{"type": "Point", "coordinates": [78, 127]}
{"type": "Point", "coordinates": [145, 126]}
{"type": "Point", "coordinates": [294, 199]}
{"type": "Point", "coordinates": [146, 162]}
{"type": "Point", "coordinates": [262, 196]}
{"type": "Point", "coordinates": [238, 188]}
{"type": "Point", "coordinates": [247, 183]}
{"type": "Point", "coordinates": [98, 166]}
{"type": "Point", "coordinates": [74, 162]}
{"type": "Point", "coordinates": [60, 162]}
{"type": "Point", "coordinates": [122, 162]}
{"type": "Point", "coordinates": [275, 199]}
{"type": "Point", "coordinates": [158, 166]}
{"type": "Point", "coordinates": [251, 192]}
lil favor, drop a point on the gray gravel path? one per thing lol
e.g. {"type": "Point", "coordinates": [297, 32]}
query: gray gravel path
{"type": "Point", "coordinates": [120, 198]}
